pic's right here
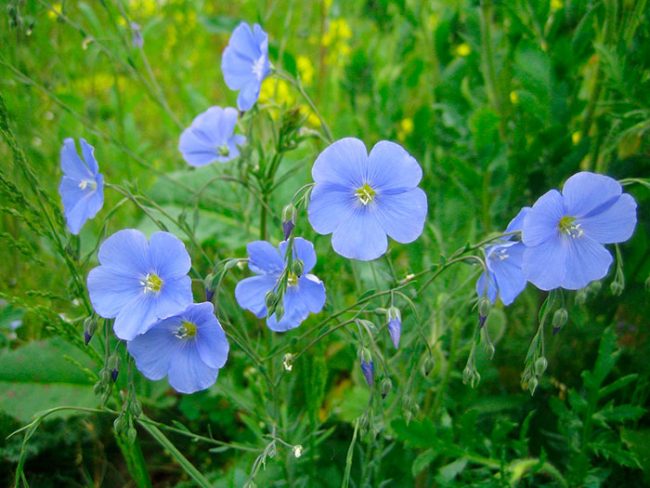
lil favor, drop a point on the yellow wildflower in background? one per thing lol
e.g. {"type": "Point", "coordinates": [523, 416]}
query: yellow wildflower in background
{"type": "Point", "coordinates": [514, 97]}
{"type": "Point", "coordinates": [405, 129]}
{"type": "Point", "coordinates": [463, 50]}
{"type": "Point", "coordinates": [337, 38]}
{"type": "Point", "coordinates": [556, 5]}
{"type": "Point", "coordinates": [305, 69]}
{"type": "Point", "coordinates": [54, 11]}
{"type": "Point", "coordinates": [576, 137]}
{"type": "Point", "coordinates": [275, 91]}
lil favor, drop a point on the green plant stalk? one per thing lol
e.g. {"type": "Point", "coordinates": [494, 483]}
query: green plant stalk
{"type": "Point", "coordinates": [135, 462]}
{"type": "Point", "coordinates": [184, 463]}
{"type": "Point", "coordinates": [488, 64]}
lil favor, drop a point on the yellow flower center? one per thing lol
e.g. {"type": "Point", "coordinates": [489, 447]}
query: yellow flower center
{"type": "Point", "coordinates": [292, 279]}
{"type": "Point", "coordinates": [568, 226]}
{"type": "Point", "coordinates": [365, 194]}
{"type": "Point", "coordinates": [187, 330]}
{"type": "Point", "coordinates": [152, 283]}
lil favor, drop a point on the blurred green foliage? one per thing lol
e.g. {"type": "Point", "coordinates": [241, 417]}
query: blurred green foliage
{"type": "Point", "coordinates": [498, 100]}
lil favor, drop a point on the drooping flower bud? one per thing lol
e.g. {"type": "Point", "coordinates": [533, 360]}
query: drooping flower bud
{"type": "Point", "coordinates": [90, 327]}
{"type": "Point", "coordinates": [288, 220]}
{"type": "Point", "coordinates": [484, 306]}
{"type": "Point", "coordinates": [367, 366]}
{"type": "Point", "coordinates": [560, 318]}
{"type": "Point", "coordinates": [297, 267]}
{"type": "Point", "coordinates": [113, 366]}
{"type": "Point", "coordinates": [394, 325]}
{"type": "Point", "coordinates": [386, 386]}
{"type": "Point", "coordinates": [540, 365]}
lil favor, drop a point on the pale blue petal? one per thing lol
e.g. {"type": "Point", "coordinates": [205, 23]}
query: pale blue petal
{"type": "Point", "coordinates": [402, 215]}
{"type": "Point", "coordinates": [545, 266]}
{"type": "Point", "coordinates": [110, 292]}
{"type": "Point", "coordinates": [174, 296]}
{"type": "Point", "coordinates": [211, 342]}
{"type": "Point", "coordinates": [330, 204]}
{"type": "Point", "coordinates": [485, 287]}
{"type": "Point", "coordinates": [251, 293]}
{"type": "Point", "coordinates": [302, 250]}
{"type": "Point", "coordinates": [168, 256]}
{"type": "Point", "coordinates": [248, 95]}
{"type": "Point", "coordinates": [587, 261]}
{"type": "Point", "coordinates": [586, 192]}
{"type": "Point", "coordinates": [196, 152]}
{"type": "Point", "coordinates": [264, 258]}
{"type": "Point", "coordinates": [71, 164]}
{"type": "Point", "coordinates": [517, 223]}
{"type": "Point", "coordinates": [188, 373]}
{"type": "Point", "coordinates": [542, 221]}
{"type": "Point", "coordinates": [88, 152]}
{"type": "Point", "coordinates": [312, 292]}
{"type": "Point", "coordinates": [614, 224]}
{"type": "Point", "coordinates": [126, 252]}
{"type": "Point", "coordinates": [395, 331]}
{"type": "Point", "coordinates": [345, 163]}
{"type": "Point", "coordinates": [237, 69]}
{"type": "Point", "coordinates": [295, 312]}
{"type": "Point", "coordinates": [391, 168]}
{"type": "Point", "coordinates": [136, 317]}
{"type": "Point", "coordinates": [360, 237]}
{"type": "Point", "coordinates": [508, 274]}
{"type": "Point", "coordinates": [154, 350]}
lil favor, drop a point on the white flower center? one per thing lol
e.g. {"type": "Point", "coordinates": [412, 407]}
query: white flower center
{"type": "Point", "coordinates": [365, 194]}
{"type": "Point", "coordinates": [501, 254]}
{"type": "Point", "coordinates": [568, 226]}
{"type": "Point", "coordinates": [83, 184]}
{"type": "Point", "coordinates": [258, 67]}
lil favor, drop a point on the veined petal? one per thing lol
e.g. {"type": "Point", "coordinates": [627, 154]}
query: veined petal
{"type": "Point", "coordinates": [545, 265]}
{"type": "Point", "coordinates": [126, 252]}
{"type": "Point", "coordinates": [88, 152]}
{"type": "Point", "coordinates": [188, 373]}
{"type": "Point", "coordinates": [402, 215]}
{"type": "Point", "coordinates": [243, 42]}
{"type": "Point", "coordinates": [71, 164]}
{"type": "Point", "coordinates": [360, 236]}
{"type": "Point", "coordinates": [312, 292]}
{"type": "Point", "coordinates": [542, 221]}
{"type": "Point", "coordinates": [174, 297]}
{"type": "Point", "coordinates": [486, 286]}
{"type": "Point", "coordinates": [154, 350]}
{"type": "Point", "coordinates": [587, 261]}
{"type": "Point", "coordinates": [614, 224]}
{"type": "Point", "coordinates": [391, 168]}
{"type": "Point", "coordinates": [508, 274]}
{"type": "Point", "coordinates": [251, 293]}
{"type": "Point", "coordinates": [195, 150]}
{"type": "Point", "coordinates": [264, 258]}
{"type": "Point", "coordinates": [211, 343]}
{"type": "Point", "coordinates": [587, 192]}
{"type": "Point", "coordinates": [344, 162]}
{"type": "Point", "coordinates": [248, 95]}
{"type": "Point", "coordinates": [517, 223]}
{"type": "Point", "coordinates": [295, 312]}
{"type": "Point", "coordinates": [168, 255]}
{"type": "Point", "coordinates": [110, 291]}
{"type": "Point", "coordinates": [136, 317]}
{"type": "Point", "coordinates": [330, 204]}
{"type": "Point", "coordinates": [237, 69]}
{"type": "Point", "coordinates": [303, 250]}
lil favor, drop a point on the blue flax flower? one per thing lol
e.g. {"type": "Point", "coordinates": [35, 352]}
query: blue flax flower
{"type": "Point", "coordinates": [82, 185]}
{"type": "Point", "coordinates": [361, 198]}
{"type": "Point", "coordinates": [140, 282]}
{"type": "Point", "coordinates": [189, 348]}
{"type": "Point", "coordinates": [211, 137]}
{"type": "Point", "coordinates": [504, 277]}
{"type": "Point", "coordinates": [305, 293]}
{"type": "Point", "coordinates": [245, 63]}
{"type": "Point", "coordinates": [564, 232]}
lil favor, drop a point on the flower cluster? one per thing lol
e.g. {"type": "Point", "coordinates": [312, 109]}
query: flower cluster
{"type": "Point", "coordinates": [561, 239]}
{"type": "Point", "coordinates": [359, 197]}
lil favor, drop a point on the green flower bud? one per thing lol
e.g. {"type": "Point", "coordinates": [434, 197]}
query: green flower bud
{"type": "Point", "coordinates": [560, 318]}
{"type": "Point", "coordinates": [540, 366]}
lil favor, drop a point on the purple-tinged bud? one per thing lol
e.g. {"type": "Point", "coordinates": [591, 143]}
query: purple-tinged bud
{"type": "Point", "coordinates": [368, 370]}
{"type": "Point", "coordinates": [136, 35]}
{"type": "Point", "coordinates": [560, 317]}
{"type": "Point", "coordinates": [90, 327]}
{"type": "Point", "coordinates": [394, 325]}
{"type": "Point", "coordinates": [288, 220]}
{"type": "Point", "coordinates": [113, 366]}
{"type": "Point", "coordinates": [484, 306]}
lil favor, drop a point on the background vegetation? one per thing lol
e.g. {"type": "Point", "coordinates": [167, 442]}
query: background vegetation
{"type": "Point", "coordinates": [498, 101]}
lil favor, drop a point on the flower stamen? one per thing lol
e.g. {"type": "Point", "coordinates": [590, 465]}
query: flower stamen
{"type": "Point", "coordinates": [292, 279]}
{"type": "Point", "coordinates": [568, 226]}
{"type": "Point", "coordinates": [83, 184]}
{"type": "Point", "coordinates": [187, 330]}
{"type": "Point", "coordinates": [151, 283]}
{"type": "Point", "coordinates": [258, 67]}
{"type": "Point", "coordinates": [365, 194]}
{"type": "Point", "coordinates": [223, 150]}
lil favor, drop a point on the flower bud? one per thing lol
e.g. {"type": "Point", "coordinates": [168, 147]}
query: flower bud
{"type": "Point", "coordinates": [297, 267]}
{"type": "Point", "coordinates": [532, 385]}
{"type": "Point", "coordinates": [135, 407]}
{"type": "Point", "coordinates": [131, 434]}
{"type": "Point", "coordinates": [385, 387]}
{"type": "Point", "coordinates": [540, 366]}
{"type": "Point", "coordinates": [113, 366]}
{"type": "Point", "coordinates": [288, 220]}
{"type": "Point", "coordinates": [271, 300]}
{"type": "Point", "coordinates": [484, 306]}
{"type": "Point", "coordinates": [90, 327]}
{"type": "Point", "coordinates": [368, 370]}
{"type": "Point", "coordinates": [427, 365]}
{"type": "Point", "coordinates": [560, 318]}
{"type": "Point", "coordinates": [616, 287]}
{"type": "Point", "coordinates": [394, 325]}
{"type": "Point", "coordinates": [471, 376]}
